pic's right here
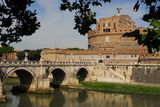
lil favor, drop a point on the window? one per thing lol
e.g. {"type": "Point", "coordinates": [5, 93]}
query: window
{"type": "Point", "coordinates": [114, 25]}
{"type": "Point", "coordinates": [107, 56]}
{"type": "Point", "coordinates": [144, 30]}
{"type": "Point", "coordinates": [98, 25]}
{"type": "Point", "coordinates": [100, 61]}
{"type": "Point", "coordinates": [106, 30]}
{"type": "Point", "coordinates": [108, 24]}
{"type": "Point", "coordinates": [104, 24]}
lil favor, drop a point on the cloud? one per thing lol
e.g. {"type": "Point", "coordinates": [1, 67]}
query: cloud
{"type": "Point", "coordinates": [57, 31]}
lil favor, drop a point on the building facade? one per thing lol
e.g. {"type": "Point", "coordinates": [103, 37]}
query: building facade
{"type": "Point", "coordinates": [106, 44]}
{"type": "Point", "coordinates": [9, 56]}
{"type": "Point", "coordinates": [109, 32]}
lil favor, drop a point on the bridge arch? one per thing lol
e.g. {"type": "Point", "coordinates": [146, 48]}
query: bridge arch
{"type": "Point", "coordinates": [82, 73]}
{"type": "Point", "coordinates": [26, 76]}
{"type": "Point", "coordinates": [58, 76]}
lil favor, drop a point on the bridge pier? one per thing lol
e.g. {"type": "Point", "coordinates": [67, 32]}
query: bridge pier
{"type": "Point", "coordinates": [2, 96]}
{"type": "Point", "coordinates": [37, 86]}
{"type": "Point", "coordinates": [33, 86]}
{"type": "Point", "coordinates": [70, 82]}
{"type": "Point", "coordinates": [43, 85]}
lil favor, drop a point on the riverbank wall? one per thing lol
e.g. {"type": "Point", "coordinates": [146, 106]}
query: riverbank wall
{"type": "Point", "coordinates": [125, 73]}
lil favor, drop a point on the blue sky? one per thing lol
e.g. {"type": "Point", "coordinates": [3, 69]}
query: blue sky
{"type": "Point", "coordinates": [57, 31]}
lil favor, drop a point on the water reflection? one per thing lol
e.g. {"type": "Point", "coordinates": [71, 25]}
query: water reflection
{"type": "Point", "coordinates": [12, 100]}
{"type": "Point", "coordinates": [81, 98]}
{"type": "Point", "coordinates": [58, 99]}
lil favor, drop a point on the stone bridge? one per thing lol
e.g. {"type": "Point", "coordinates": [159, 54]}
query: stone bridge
{"type": "Point", "coordinates": [41, 75]}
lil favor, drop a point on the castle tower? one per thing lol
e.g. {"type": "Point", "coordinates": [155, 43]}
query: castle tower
{"type": "Point", "coordinates": [109, 31]}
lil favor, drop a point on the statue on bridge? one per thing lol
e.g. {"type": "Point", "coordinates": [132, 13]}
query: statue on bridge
{"type": "Point", "coordinates": [26, 56]}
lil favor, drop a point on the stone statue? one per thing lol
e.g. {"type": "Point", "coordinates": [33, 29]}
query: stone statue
{"type": "Point", "coordinates": [118, 10]}
{"type": "Point", "coordinates": [26, 56]}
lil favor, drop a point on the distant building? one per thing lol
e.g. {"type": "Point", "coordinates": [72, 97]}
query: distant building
{"type": "Point", "coordinates": [9, 56]}
{"type": "Point", "coordinates": [87, 55]}
{"type": "Point", "coordinates": [106, 44]}
{"type": "Point", "coordinates": [109, 31]}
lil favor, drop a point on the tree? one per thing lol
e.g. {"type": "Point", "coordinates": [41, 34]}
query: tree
{"type": "Point", "coordinates": [33, 55]}
{"type": "Point", "coordinates": [85, 17]}
{"type": "Point", "coordinates": [5, 50]}
{"type": "Point", "coordinates": [152, 38]}
{"type": "Point", "coordinates": [20, 55]}
{"type": "Point", "coordinates": [16, 20]}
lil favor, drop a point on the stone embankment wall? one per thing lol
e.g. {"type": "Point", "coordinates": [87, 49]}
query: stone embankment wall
{"type": "Point", "coordinates": [146, 74]}
{"type": "Point", "coordinates": [126, 73]}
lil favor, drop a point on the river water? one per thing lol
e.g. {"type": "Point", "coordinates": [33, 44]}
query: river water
{"type": "Point", "coordinates": [81, 98]}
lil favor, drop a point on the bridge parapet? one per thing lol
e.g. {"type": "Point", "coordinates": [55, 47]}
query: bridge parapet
{"type": "Point", "coordinates": [137, 65]}
{"type": "Point", "coordinates": [41, 63]}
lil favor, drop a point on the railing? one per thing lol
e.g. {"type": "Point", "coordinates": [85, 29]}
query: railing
{"type": "Point", "coordinates": [58, 63]}
{"type": "Point", "coordinates": [139, 64]}
{"type": "Point", "coordinates": [41, 63]}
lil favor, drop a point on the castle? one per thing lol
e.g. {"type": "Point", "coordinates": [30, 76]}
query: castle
{"type": "Point", "coordinates": [106, 44]}
{"type": "Point", "coordinates": [109, 31]}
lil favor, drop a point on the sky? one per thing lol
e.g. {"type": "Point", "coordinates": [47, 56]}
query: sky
{"type": "Point", "coordinates": [57, 31]}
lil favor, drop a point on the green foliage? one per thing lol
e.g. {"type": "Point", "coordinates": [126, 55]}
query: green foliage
{"type": "Point", "coordinates": [84, 16]}
{"type": "Point", "coordinates": [156, 25]}
{"type": "Point", "coordinates": [20, 55]}
{"type": "Point", "coordinates": [151, 39]}
{"type": "Point", "coordinates": [33, 55]}
{"type": "Point", "coordinates": [74, 49]}
{"type": "Point", "coordinates": [6, 49]}
{"type": "Point", "coordinates": [12, 81]}
{"type": "Point", "coordinates": [16, 20]}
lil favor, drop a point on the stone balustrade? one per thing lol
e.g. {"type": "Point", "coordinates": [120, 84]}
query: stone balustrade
{"type": "Point", "coordinates": [40, 63]}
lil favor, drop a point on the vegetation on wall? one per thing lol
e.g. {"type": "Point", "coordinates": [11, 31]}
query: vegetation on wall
{"type": "Point", "coordinates": [74, 49]}
{"type": "Point", "coordinates": [32, 55]}
{"type": "Point", "coordinates": [5, 50]}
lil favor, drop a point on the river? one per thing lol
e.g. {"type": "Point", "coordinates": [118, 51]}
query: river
{"type": "Point", "coordinates": [80, 98]}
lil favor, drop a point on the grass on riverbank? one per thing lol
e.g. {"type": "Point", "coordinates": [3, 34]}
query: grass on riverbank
{"type": "Point", "coordinates": [12, 81]}
{"type": "Point", "coordinates": [122, 88]}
